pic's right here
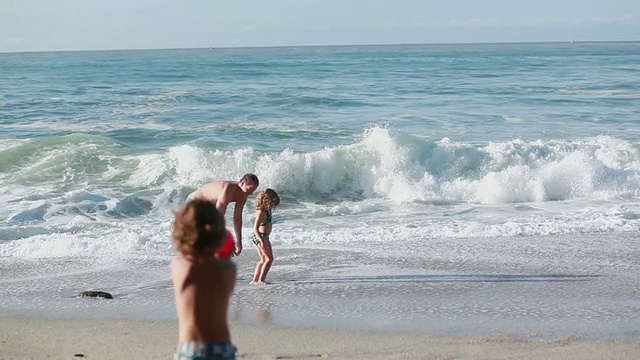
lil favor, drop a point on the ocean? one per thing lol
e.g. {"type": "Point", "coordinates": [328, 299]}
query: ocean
{"type": "Point", "coordinates": [431, 188]}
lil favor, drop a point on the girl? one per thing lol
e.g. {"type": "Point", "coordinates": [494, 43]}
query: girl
{"type": "Point", "coordinates": [266, 201]}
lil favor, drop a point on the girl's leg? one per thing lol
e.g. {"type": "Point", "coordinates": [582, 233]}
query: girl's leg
{"type": "Point", "coordinates": [256, 273]}
{"type": "Point", "coordinates": [267, 260]}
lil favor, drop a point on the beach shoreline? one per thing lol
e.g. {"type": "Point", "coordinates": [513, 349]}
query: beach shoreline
{"type": "Point", "coordinates": [40, 338]}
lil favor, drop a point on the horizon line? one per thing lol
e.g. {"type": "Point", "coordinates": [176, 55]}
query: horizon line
{"type": "Point", "coordinates": [321, 45]}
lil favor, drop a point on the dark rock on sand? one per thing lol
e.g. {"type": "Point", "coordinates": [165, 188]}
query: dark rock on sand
{"type": "Point", "coordinates": [96, 294]}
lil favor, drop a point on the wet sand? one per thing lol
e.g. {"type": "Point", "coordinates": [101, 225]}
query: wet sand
{"type": "Point", "coordinates": [41, 338]}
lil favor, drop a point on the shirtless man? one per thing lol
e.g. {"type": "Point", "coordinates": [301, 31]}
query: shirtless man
{"type": "Point", "coordinates": [222, 193]}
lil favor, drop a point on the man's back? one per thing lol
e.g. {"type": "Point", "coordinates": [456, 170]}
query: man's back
{"type": "Point", "coordinates": [202, 292]}
{"type": "Point", "coordinates": [211, 191]}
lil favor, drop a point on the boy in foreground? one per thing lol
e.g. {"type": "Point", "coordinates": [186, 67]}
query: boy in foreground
{"type": "Point", "coordinates": [202, 283]}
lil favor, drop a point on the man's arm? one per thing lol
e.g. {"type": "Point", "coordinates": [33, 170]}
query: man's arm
{"type": "Point", "coordinates": [237, 224]}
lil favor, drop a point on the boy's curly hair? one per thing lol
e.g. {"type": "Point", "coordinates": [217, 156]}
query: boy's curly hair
{"type": "Point", "coordinates": [267, 199]}
{"type": "Point", "coordinates": [198, 229]}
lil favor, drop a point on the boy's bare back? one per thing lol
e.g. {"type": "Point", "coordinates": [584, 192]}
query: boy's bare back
{"type": "Point", "coordinates": [202, 291]}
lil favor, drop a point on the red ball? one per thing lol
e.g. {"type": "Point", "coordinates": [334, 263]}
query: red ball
{"type": "Point", "coordinates": [228, 245]}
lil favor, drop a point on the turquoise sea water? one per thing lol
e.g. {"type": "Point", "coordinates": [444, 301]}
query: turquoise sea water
{"type": "Point", "coordinates": [406, 160]}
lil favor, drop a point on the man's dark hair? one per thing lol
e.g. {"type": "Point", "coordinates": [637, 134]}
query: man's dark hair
{"type": "Point", "coordinates": [251, 178]}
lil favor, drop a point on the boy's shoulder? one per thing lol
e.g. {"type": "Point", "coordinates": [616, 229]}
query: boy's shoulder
{"type": "Point", "coordinates": [178, 262]}
{"type": "Point", "coordinates": [223, 270]}
{"type": "Point", "coordinates": [224, 265]}
{"type": "Point", "coordinates": [213, 264]}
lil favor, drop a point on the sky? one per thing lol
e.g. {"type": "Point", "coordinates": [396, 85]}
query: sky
{"type": "Point", "coordinates": [45, 25]}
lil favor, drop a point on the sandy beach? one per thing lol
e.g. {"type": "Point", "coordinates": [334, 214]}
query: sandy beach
{"type": "Point", "coordinates": [38, 338]}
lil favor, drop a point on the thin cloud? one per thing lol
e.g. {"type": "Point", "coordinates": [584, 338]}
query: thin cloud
{"type": "Point", "coordinates": [12, 41]}
{"type": "Point", "coordinates": [629, 19]}
{"type": "Point", "coordinates": [247, 28]}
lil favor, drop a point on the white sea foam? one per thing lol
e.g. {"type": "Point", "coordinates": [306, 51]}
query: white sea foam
{"type": "Point", "coordinates": [582, 91]}
{"type": "Point", "coordinates": [80, 126]}
{"type": "Point", "coordinates": [369, 227]}
{"type": "Point", "coordinates": [112, 203]}
{"type": "Point", "coordinates": [513, 119]}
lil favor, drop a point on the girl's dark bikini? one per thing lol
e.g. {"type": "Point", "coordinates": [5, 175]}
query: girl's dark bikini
{"type": "Point", "coordinates": [267, 221]}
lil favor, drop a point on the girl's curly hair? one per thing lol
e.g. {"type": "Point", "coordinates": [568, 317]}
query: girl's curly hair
{"type": "Point", "coordinates": [267, 199]}
{"type": "Point", "coordinates": [198, 229]}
